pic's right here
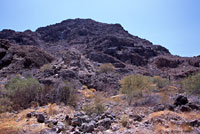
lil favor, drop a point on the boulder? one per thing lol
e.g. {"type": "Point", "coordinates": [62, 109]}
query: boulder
{"type": "Point", "coordinates": [40, 118]}
{"type": "Point", "coordinates": [181, 100]}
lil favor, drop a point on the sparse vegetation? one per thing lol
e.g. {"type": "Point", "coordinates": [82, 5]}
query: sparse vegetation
{"type": "Point", "coordinates": [5, 104]}
{"type": "Point", "coordinates": [134, 85]}
{"type": "Point", "coordinates": [107, 67]}
{"type": "Point", "coordinates": [23, 91]}
{"type": "Point", "coordinates": [97, 106]}
{"type": "Point", "coordinates": [45, 67]}
{"type": "Point", "coordinates": [160, 82]}
{"type": "Point", "coordinates": [124, 120]}
{"type": "Point", "coordinates": [192, 84]}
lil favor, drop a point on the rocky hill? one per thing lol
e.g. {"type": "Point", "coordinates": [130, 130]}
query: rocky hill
{"type": "Point", "coordinates": [74, 50]}
{"type": "Point", "coordinates": [71, 74]}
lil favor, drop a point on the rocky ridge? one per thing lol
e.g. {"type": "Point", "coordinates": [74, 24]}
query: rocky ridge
{"type": "Point", "coordinates": [75, 49]}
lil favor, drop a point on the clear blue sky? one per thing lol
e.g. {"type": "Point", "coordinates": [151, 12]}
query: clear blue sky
{"type": "Point", "coordinates": [175, 24]}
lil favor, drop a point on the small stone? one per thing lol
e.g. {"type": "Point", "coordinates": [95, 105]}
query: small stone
{"type": "Point", "coordinates": [185, 109]}
{"type": "Point", "coordinates": [171, 107]}
{"type": "Point", "coordinates": [115, 127]}
{"type": "Point", "coordinates": [76, 122]}
{"type": "Point", "coordinates": [60, 127]}
{"type": "Point", "coordinates": [159, 107]}
{"type": "Point", "coordinates": [193, 106]}
{"type": "Point", "coordinates": [105, 123]}
{"type": "Point", "coordinates": [40, 118]}
{"type": "Point", "coordinates": [29, 115]}
{"type": "Point", "coordinates": [195, 123]}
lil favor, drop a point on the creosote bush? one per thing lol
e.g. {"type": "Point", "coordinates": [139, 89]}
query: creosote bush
{"type": "Point", "coordinates": [134, 86]}
{"type": "Point", "coordinates": [23, 91]}
{"type": "Point", "coordinates": [192, 84]}
{"type": "Point", "coordinates": [105, 68]}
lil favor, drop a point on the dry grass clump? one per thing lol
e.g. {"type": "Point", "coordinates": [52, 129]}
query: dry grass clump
{"type": "Point", "coordinates": [45, 67]}
{"type": "Point", "coordinates": [124, 120]}
{"type": "Point", "coordinates": [105, 68]}
{"type": "Point", "coordinates": [134, 86]}
{"type": "Point", "coordinates": [98, 106]}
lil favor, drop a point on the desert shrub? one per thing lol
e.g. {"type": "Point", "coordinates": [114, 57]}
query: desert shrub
{"type": "Point", "coordinates": [107, 67]}
{"type": "Point", "coordinates": [45, 67]}
{"type": "Point", "coordinates": [160, 82]}
{"type": "Point", "coordinates": [134, 85]}
{"type": "Point", "coordinates": [192, 84]}
{"type": "Point", "coordinates": [97, 106]}
{"type": "Point", "coordinates": [60, 91]}
{"type": "Point", "coordinates": [68, 94]}
{"type": "Point", "coordinates": [22, 91]}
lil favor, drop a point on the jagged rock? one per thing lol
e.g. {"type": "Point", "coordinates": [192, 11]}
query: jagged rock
{"type": "Point", "coordinates": [171, 107]}
{"type": "Point", "coordinates": [195, 123]}
{"type": "Point", "coordinates": [193, 106]}
{"type": "Point", "coordinates": [47, 131]}
{"type": "Point", "coordinates": [158, 107]}
{"type": "Point", "coordinates": [59, 127]}
{"type": "Point", "coordinates": [136, 117]}
{"type": "Point", "coordinates": [181, 100]}
{"type": "Point", "coordinates": [105, 123]}
{"type": "Point", "coordinates": [88, 127]}
{"type": "Point", "coordinates": [185, 108]}
{"type": "Point", "coordinates": [76, 122]}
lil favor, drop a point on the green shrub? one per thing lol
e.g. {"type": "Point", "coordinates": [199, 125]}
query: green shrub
{"type": "Point", "coordinates": [192, 84]}
{"type": "Point", "coordinates": [107, 67]}
{"type": "Point", "coordinates": [160, 82]}
{"type": "Point", "coordinates": [134, 85]}
{"type": "Point", "coordinates": [23, 91]}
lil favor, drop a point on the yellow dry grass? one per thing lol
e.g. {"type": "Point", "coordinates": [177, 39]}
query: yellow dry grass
{"type": "Point", "coordinates": [171, 127]}
{"type": "Point", "coordinates": [88, 93]}
{"type": "Point", "coordinates": [16, 123]}
{"type": "Point", "coordinates": [117, 98]}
